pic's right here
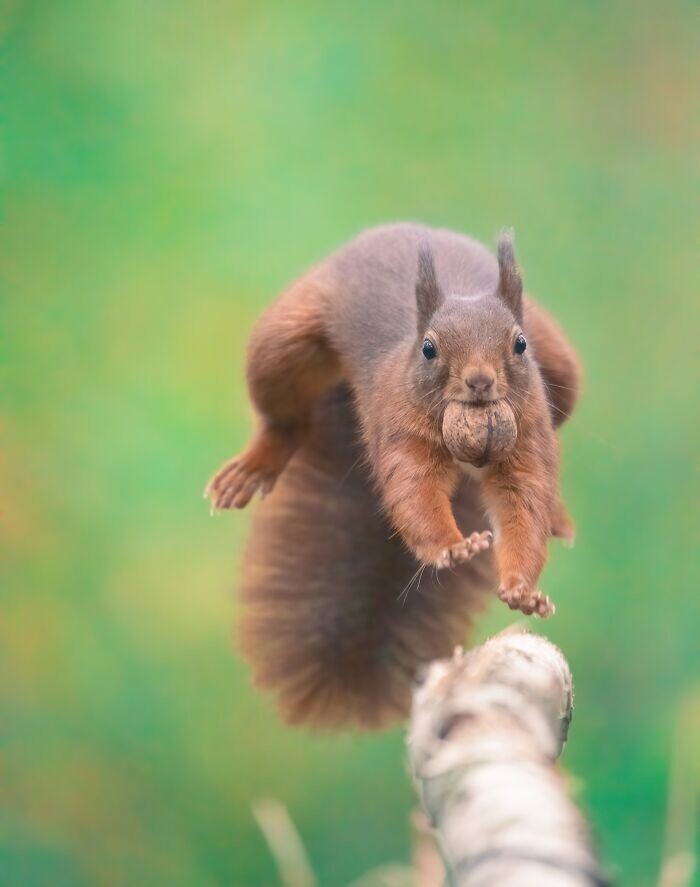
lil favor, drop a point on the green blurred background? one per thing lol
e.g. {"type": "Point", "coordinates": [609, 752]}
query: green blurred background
{"type": "Point", "coordinates": [166, 168]}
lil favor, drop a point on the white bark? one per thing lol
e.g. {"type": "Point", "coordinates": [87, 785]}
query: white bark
{"type": "Point", "coordinates": [486, 730]}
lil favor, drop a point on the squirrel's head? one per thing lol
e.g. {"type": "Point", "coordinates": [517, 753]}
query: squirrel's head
{"type": "Point", "coordinates": [472, 348]}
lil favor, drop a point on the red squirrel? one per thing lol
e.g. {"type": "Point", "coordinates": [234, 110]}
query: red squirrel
{"type": "Point", "coordinates": [359, 358]}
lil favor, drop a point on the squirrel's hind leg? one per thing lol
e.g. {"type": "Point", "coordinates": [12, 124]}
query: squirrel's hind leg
{"type": "Point", "coordinates": [257, 468]}
{"type": "Point", "coordinates": [557, 360]}
{"type": "Point", "coordinates": [563, 526]}
{"type": "Point", "coordinates": [290, 365]}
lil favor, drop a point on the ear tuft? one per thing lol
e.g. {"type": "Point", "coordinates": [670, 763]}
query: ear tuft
{"type": "Point", "coordinates": [510, 283]}
{"type": "Point", "coordinates": [428, 293]}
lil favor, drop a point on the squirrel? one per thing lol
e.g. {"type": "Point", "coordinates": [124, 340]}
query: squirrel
{"type": "Point", "coordinates": [362, 565]}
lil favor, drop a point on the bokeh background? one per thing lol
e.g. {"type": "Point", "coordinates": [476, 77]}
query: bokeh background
{"type": "Point", "coordinates": [166, 167]}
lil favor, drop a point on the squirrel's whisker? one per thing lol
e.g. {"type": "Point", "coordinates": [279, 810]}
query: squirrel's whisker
{"type": "Point", "coordinates": [550, 384]}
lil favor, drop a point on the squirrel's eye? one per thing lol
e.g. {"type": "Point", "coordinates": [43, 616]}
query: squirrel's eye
{"type": "Point", "coordinates": [429, 350]}
{"type": "Point", "coordinates": [520, 344]}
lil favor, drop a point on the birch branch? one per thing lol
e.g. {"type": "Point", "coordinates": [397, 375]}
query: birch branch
{"type": "Point", "coordinates": [486, 730]}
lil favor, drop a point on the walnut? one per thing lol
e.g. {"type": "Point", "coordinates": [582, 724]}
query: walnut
{"type": "Point", "coordinates": [479, 433]}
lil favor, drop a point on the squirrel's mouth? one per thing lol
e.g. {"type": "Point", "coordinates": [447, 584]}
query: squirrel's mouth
{"type": "Point", "coordinates": [475, 400]}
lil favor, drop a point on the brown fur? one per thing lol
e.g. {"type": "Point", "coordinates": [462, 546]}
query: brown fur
{"type": "Point", "coordinates": [337, 376]}
{"type": "Point", "coordinates": [337, 616]}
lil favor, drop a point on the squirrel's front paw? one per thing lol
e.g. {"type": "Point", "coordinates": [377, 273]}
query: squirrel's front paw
{"type": "Point", "coordinates": [520, 596]}
{"type": "Point", "coordinates": [464, 550]}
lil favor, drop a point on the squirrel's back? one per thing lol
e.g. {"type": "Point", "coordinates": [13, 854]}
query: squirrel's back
{"type": "Point", "coordinates": [335, 619]}
{"type": "Point", "coordinates": [371, 285]}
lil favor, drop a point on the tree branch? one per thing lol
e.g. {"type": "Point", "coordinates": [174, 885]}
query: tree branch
{"type": "Point", "coordinates": [486, 730]}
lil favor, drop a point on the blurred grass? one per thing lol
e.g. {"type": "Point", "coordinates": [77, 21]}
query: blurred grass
{"type": "Point", "coordinates": [166, 168]}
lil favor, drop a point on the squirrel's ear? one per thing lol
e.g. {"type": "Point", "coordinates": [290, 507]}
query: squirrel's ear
{"type": "Point", "coordinates": [428, 292]}
{"type": "Point", "coordinates": [510, 283]}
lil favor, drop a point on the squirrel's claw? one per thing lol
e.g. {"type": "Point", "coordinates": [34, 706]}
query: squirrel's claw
{"type": "Point", "coordinates": [236, 482]}
{"type": "Point", "coordinates": [528, 600]}
{"type": "Point", "coordinates": [465, 550]}
{"type": "Point", "coordinates": [227, 471]}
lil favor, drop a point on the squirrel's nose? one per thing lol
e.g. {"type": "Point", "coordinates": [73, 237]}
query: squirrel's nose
{"type": "Point", "coordinates": [480, 381]}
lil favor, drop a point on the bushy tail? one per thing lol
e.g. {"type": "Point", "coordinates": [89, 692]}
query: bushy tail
{"type": "Point", "coordinates": [336, 615]}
